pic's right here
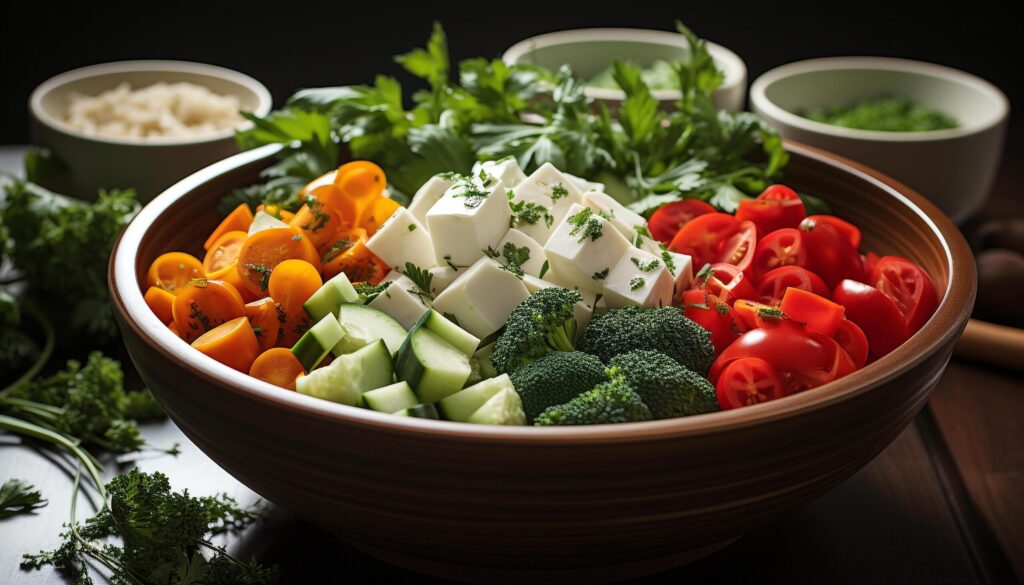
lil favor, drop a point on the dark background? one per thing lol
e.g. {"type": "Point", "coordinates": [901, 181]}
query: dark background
{"type": "Point", "coordinates": [296, 44]}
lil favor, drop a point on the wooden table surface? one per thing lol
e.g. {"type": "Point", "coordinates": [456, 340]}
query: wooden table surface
{"type": "Point", "coordinates": [943, 504]}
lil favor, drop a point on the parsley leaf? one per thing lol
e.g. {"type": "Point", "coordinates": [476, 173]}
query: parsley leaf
{"type": "Point", "coordinates": [585, 225]}
{"type": "Point", "coordinates": [422, 279]}
{"type": "Point", "coordinates": [19, 497]}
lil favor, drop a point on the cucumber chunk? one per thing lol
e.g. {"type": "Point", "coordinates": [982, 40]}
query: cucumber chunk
{"type": "Point", "coordinates": [504, 408]}
{"type": "Point", "coordinates": [350, 375]}
{"type": "Point", "coordinates": [326, 300]}
{"type": "Point", "coordinates": [463, 340]}
{"type": "Point", "coordinates": [420, 411]}
{"type": "Point", "coordinates": [362, 325]}
{"type": "Point", "coordinates": [432, 366]}
{"type": "Point", "coordinates": [393, 398]}
{"type": "Point", "coordinates": [461, 405]}
{"type": "Point", "coordinates": [314, 344]}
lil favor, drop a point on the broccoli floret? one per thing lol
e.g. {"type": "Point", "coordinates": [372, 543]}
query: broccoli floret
{"type": "Point", "coordinates": [613, 401]}
{"type": "Point", "coordinates": [667, 388]}
{"type": "Point", "coordinates": [539, 325]}
{"type": "Point", "coordinates": [556, 378]}
{"type": "Point", "coordinates": [666, 330]}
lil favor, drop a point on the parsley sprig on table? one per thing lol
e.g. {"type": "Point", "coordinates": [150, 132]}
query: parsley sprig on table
{"type": "Point", "coordinates": [18, 497]}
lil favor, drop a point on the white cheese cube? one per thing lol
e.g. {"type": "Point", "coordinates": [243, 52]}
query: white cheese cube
{"type": "Point", "coordinates": [441, 277]}
{"type": "Point", "coordinates": [402, 299]}
{"type": "Point", "coordinates": [466, 221]}
{"type": "Point", "coordinates": [537, 257]}
{"type": "Point", "coordinates": [585, 185]}
{"type": "Point", "coordinates": [638, 279]}
{"type": "Point", "coordinates": [679, 265]}
{"type": "Point", "coordinates": [482, 298]}
{"type": "Point", "coordinates": [624, 220]}
{"type": "Point", "coordinates": [400, 239]}
{"type": "Point", "coordinates": [547, 187]}
{"type": "Point", "coordinates": [428, 195]}
{"type": "Point", "coordinates": [583, 249]}
{"type": "Point", "coordinates": [505, 170]}
{"type": "Point", "coordinates": [582, 311]}
{"type": "Point", "coordinates": [264, 221]}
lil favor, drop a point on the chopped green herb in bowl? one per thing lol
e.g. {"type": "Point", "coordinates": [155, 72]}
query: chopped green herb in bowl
{"type": "Point", "coordinates": [884, 113]}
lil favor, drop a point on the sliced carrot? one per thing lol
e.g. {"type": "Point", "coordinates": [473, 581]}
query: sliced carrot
{"type": "Point", "coordinates": [379, 211]}
{"type": "Point", "coordinates": [229, 274]}
{"type": "Point", "coordinates": [173, 328]}
{"type": "Point", "coordinates": [359, 183]}
{"type": "Point", "coordinates": [324, 179]}
{"type": "Point", "coordinates": [277, 366]}
{"type": "Point", "coordinates": [161, 303]}
{"type": "Point", "coordinates": [358, 263]}
{"type": "Point", "coordinates": [173, 270]}
{"type": "Point", "coordinates": [204, 304]}
{"type": "Point", "coordinates": [224, 251]}
{"type": "Point", "coordinates": [291, 284]}
{"type": "Point", "coordinates": [267, 248]}
{"type": "Point", "coordinates": [317, 221]}
{"type": "Point", "coordinates": [267, 320]}
{"type": "Point", "coordinates": [232, 343]}
{"type": "Point", "coordinates": [239, 220]}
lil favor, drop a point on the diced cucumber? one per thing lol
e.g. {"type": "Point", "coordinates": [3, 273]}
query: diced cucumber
{"type": "Point", "coordinates": [420, 411]}
{"type": "Point", "coordinates": [264, 221]}
{"type": "Point", "coordinates": [326, 300]}
{"type": "Point", "coordinates": [393, 398]}
{"type": "Point", "coordinates": [504, 408]}
{"type": "Point", "coordinates": [461, 405]}
{"type": "Point", "coordinates": [463, 340]}
{"type": "Point", "coordinates": [432, 366]}
{"type": "Point", "coordinates": [362, 325]}
{"type": "Point", "coordinates": [314, 344]}
{"type": "Point", "coordinates": [350, 375]}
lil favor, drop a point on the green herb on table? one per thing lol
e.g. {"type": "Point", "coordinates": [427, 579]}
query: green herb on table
{"type": "Point", "coordinates": [885, 113]}
{"type": "Point", "coordinates": [19, 497]}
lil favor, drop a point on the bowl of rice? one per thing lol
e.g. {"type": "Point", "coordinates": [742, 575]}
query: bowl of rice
{"type": "Point", "coordinates": [139, 124]}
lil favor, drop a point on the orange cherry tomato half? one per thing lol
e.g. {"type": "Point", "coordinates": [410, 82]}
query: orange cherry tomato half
{"type": "Point", "coordinates": [748, 381]}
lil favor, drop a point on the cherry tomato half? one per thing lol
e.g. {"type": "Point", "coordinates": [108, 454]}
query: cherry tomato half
{"type": "Point", "coordinates": [803, 358]}
{"type": "Point", "coordinates": [776, 208]}
{"type": "Point", "coordinates": [773, 284]}
{"type": "Point", "coordinates": [869, 261]}
{"type": "Point", "coordinates": [875, 313]}
{"type": "Point", "coordinates": [908, 286]}
{"type": "Point", "coordinates": [726, 282]}
{"type": "Point", "coordinates": [748, 381]}
{"type": "Point", "coordinates": [713, 314]}
{"type": "Point", "coordinates": [817, 313]}
{"type": "Point", "coordinates": [784, 247]}
{"type": "Point", "coordinates": [739, 249]}
{"type": "Point", "coordinates": [847, 229]}
{"type": "Point", "coordinates": [830, 254]}
{"type": "Point", "coordinates": [852, 339]}
{"type": "Point", "coordinates": [702, 238]}
{"type": "Point", "coordinates": [667, 219]}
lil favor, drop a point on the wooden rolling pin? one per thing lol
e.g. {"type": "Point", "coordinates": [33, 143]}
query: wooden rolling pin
{"type": "Point", "coordinates": [994, 344]}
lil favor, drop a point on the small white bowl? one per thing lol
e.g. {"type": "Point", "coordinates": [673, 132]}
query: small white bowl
{"type": "Point", "coordinates": [148, 165]}
{"type": "Point", "coordinates": [590, 51]}
{"type": "Point", "coordinates": [954, 168]}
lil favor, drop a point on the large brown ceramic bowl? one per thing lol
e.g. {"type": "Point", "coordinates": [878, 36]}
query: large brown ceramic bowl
{"type": "Point", "coordinates": [518, 504]}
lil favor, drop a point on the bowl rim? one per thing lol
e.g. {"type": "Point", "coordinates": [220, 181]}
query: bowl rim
{"type": "Point", "coordinates": [945, 324]}
{"type": "Point", "coordinates": [761, 104]}
{"type": "Point", "coordinates": [263, 97]}
{"type": "Point", "coordinates": [643, 35]}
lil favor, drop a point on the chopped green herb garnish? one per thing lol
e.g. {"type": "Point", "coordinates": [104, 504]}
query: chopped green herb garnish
{"type": "Point", "coordinates": [367, 292]}
{"type": "Point", "coordinates": [648, 266]}
{"type": "Point", "coordinates": [585, 225]}
{"type": "Point", "coordinates": [452, 265]}
{"type": "Point", "coordinates": [558, 191]}
{"type": "Point", "coordinates": [670, 262]}
{"type": "Point", "coordinates": [485, 178]}
{"type": "Point", "coordinates": [771, 313]}
{"type": "Point", "coordinates": [320, 218]}
{"type": "Point", "coordinates": [529, 212]}
{"type": "Point", "coordinates": [722, 308]}
{"type": "Point", "coordinates": [885, 113]}
{"type": "Point", "coordinates": [544, 269]}
{"type": "Point", "coordinates": [336, 249]}
{"type": "Point", "coordinates": [636, 283]}
{"type": "Point", "coordinates": [421, 278]}
{"type": "Point", "coordinates": [466, 189]}
{"type": "Point", "coordinates": [412, 227]}
{"type": "Point", "coordinates": [512, 258]}
{"type": "Point", "coordinates": [601, 275]}
{"type": "Point", "coordinates": [706, 273]}
{"type": "Point", "coordinates": [297, 238]}
{"type": "Point", "coordinates": [451, 317]}
{"type": "Point", "coordinates": [264, 273]}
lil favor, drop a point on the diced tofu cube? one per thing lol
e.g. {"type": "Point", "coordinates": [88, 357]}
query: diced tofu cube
{"type": "Point", "coordinates": [400, 239]}
{"type": "Point", "coordinates": [585, 185]}
{"type": "Point", "coordinates": [624, 220]}
{"type": "Point", "coordinates": [402, 299]}
{"type": "Point", "coordinates": [505, 170]}
{"type": "Point", "coordinates": [583, 310]}
{"type": "Point", "coordinates": [482, 298]}
{"type": "Point", "coordinates": [441, 277]}
{"type": "Point", "coordinates": [428, 195]}
{"type": "Point", "coordinates": [679, 265]}
{"type": "Point", "coordinates": [583, 249]}
{"type": "Point", "coordinates": [555, 192]}
{"type": "Point", "coordinates": [537, 257]}
{"type": "Point", "coordinates": [466, 221]}
{"type": "Point", "coordinates": [638, 279]}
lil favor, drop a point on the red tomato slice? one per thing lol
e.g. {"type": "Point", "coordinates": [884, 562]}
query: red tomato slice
{"type": "Point", "coordinates": [803, 358]}
{"type": "Point", "coordinates": [817, 313]}
{"type": "Point", "coordinates": [784, 247]}
{"type": "Point", "coordinates": [739, 249]}
{"type": "Point", "coordinates": [875, 313]}
{"type": "Point", "coordinates": [908, 286]}
{"type": "Point", "coordinates": [851, 338]}
{"type": "Point", "coordinates": [773, 284]}
{"type": "Point", "coordinates": [702, 237]}
{"type": "Point", "coordinates": [847, 229]}
{"type": "Point", "coordinates": [830, 254]}
{"type": "Point", "coordinates": [711, 313]}
{"type": "Point", "coordinates": [869, 261]}
{"type": "Point", "coordinates": [748, 381]}
{"type": "Point", "coordinates": [754, 314]}
{"type": "Point", "coordinates": [776, 208]}
{"type": "Point", "coordinates": [726, 282]}
{"type": "Point", "coordinates": [667, 219]}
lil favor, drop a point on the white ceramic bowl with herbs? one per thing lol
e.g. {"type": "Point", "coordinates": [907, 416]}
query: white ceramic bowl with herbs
{"type": "Point", "coordinates": [953, 166]}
